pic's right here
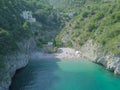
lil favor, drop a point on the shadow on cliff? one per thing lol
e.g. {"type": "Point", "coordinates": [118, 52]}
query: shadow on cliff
{"type": "Point", "coordinates": [37, 75]}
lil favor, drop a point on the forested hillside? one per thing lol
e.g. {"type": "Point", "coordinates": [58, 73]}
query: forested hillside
{"type": "Point", "coordinates": [79, 20]}
{"type": "Point", "coordinates": [48, 21]}
{"type": "Point", "coordinates": [90, 27]}
{"type": "Point", "coordinates": [98, 20]}
{"type": "Point", "coordinates": [14, 28]}
{"type": "Point", "coordinates": [11, 25]}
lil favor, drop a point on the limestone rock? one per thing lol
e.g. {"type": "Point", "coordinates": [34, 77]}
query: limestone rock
{"type": "Point", "coordinates": [16, 61]}
{"type": "Point", "coordinates": [108, 60]}
{"type": "Point", "coordinates": [117, 70]}
{"type": "Point", "coordinates": [102, 61]}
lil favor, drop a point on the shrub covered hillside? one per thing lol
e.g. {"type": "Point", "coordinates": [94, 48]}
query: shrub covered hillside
{"type": "Point", "coordinates": [11, 25]}
{"type": "Point", "coordinates": [98, 20]}
{"type": "Point", "coordinates": [14, 28]}
{"type": "Point", "coordinates": [48, 21]}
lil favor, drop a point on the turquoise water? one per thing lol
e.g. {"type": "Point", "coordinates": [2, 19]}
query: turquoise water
{"type": "Point", "coordinates": [64, 75]}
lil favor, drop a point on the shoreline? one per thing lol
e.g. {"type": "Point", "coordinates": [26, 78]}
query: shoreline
{"type": "Point", "coordinates": [62, 53]}
{"type": "Point", "coordinates": [109, 61]}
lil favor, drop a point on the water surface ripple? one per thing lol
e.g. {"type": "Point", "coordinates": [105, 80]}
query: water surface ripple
{"type": "Point", "coordinates": [64, 75]}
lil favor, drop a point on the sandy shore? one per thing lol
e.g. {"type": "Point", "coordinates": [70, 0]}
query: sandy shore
{"type": "Point", "coordinates": [62, 53]}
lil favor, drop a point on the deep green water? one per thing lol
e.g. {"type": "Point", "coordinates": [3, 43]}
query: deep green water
{"type": "Point", "coordinates": [64, 75]}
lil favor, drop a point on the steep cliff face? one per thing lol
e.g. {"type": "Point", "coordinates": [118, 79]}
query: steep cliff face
{"type": "Point", "coordinates": [110, 61]}
{"type": "Point", "coordinates": [13, 63]}
{"type": "Point", "coordinates": [16, 61]}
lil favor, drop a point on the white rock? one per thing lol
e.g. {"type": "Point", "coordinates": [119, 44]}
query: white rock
{"type": "Point", "coordinates": [117, 70]}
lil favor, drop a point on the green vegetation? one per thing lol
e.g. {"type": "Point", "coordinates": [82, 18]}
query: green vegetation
{"type": "Point", "coordinates": [79, 20]}
{"type": "Point", "coordinates": [11, 25]}
{"type": "Point", "coordinates": [14, 29]}
{"type": "Point", "coordinates": [98, 20]}
{"type": "Point", "coordinates": [48, 21]}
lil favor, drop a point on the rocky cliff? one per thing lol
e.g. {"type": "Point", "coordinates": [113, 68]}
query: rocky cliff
{"type": "Point", "coordinates": [16, 61]}
{"type": "Point", "coordinates": [110, 61]}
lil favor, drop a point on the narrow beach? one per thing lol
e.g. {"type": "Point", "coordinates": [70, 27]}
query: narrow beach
{"type": "Point", "coordinates": [62, 53]}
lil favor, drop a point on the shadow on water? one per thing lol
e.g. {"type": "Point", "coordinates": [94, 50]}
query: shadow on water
{"type": "Point", "coordinates": [64, 75]}
{"type": "Point", "coordinates": [37, 75]}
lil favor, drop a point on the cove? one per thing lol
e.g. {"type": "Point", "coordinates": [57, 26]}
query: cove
{"type": "Point", "coordinates": [64, 75]}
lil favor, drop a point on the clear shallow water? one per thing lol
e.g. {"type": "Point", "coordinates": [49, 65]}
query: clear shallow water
{"type": "Point", "coordinates": [64, 75]}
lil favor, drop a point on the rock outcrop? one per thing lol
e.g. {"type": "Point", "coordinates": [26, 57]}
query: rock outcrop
{"type": "Point", "coordinates": [110, 61]}
{"type": "Point", "coordinates": [16, 61]}
{"type": "Point", "coordinates": [13, 63]}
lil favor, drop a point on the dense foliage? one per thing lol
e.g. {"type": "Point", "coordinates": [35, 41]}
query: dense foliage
{"type": "Point", "coordinates": [14, 28]}
{"type": "Point", "coordinates": [48, 21]}
{"type": "Point", "coordinates": [98, 20]}
{"type": "Point", "coordinates": [82, 20]}
{"type": "Point", "coordinates": [11, 25]}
